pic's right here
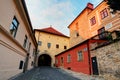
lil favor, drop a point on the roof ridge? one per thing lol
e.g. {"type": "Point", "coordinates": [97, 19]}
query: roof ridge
{"type": "Point", "coordinates": [52, 31]}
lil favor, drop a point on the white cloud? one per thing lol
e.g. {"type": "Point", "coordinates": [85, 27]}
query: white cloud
{"type": "Point", "coordinates": [58, 13]}
{"type": "Point", "coordinates": [44, 13]}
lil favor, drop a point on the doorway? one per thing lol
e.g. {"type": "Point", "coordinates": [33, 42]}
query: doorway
{"type": "Point", "coordinates": [95, 66]}
{"type": "Point", "coordinates": [44, 60]}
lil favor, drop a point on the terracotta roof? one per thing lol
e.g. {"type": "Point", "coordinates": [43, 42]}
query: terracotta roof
{"type": "Point", "coordinates": [51, 30]}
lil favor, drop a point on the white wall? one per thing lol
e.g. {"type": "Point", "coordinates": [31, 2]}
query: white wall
{"type": "Point", "coordinates": [11, 51]}
{"type": "Point", "coordinates": [9, 62]}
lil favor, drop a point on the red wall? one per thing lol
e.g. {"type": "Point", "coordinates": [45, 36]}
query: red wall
{"type": "Point", "coordinates": [75, 65]}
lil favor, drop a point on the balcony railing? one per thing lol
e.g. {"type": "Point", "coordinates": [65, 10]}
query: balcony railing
{"type": "Point", "coordinates": [107, 37]}
{"type": "Point", "coordinates": [103, 36]}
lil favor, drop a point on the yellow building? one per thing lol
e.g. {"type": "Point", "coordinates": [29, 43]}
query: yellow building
{"type": "Point", "coordinates": [92, 21]}
{"type": "Point", "coordinates": [17, 42]}
{"type": "Point", "coordinates": [50, 43]}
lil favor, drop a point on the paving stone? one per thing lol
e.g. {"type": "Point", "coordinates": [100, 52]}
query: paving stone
{"type": "Point", "coordinates": [45, 73]}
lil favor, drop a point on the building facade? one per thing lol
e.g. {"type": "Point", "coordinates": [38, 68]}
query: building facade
{"type": "Point", "coordinates": [92, 21]}
{"type": "Point", "coordinates": [50, 43]}
{"type": "Point", "coordinates": [78, 58]}
{"type": "Point", "coordinates": [96, 24]}
{"type": "Point", "coordinates": [17, 41]}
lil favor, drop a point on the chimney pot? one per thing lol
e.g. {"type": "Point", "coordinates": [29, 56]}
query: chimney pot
{"type": "Point", "coordinates": [90, 5]}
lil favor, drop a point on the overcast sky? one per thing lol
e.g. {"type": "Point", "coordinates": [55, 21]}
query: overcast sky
{"type": "Point", "coordinates": [57, 13]}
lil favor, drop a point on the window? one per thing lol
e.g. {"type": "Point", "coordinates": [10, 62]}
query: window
{"type": "Point", "coordinates": [32, 63]}
{"type": "Point", "coordinates": [108, 26]}
{"type": "Point", "coordinates": [25, 42]}
{"type": "Point", "coordinates": [104, 13]}
{"type": "Point", "coordinates": [56, 61]}
{"type": "Point", "coordinates": [49, 45]}
{"type": "Point", "coordinates": [101, 33]}
{"type": "Point", "coordinates": [33, 52]}
{"type": "Point", "coordinates": [85, 49]}
{"type": "Point", "coordinates": [92, 21]}
{"type": "Point", "coordinates": [39, 43]}
{"type": "Point", "coordinates": [14, 27]}
{"type": "Point", "coordinates": [21, 64]}
{"type": "Point", "coordinates": [69, 58]}
{"type": "Point", "coordinates": [57, 45]}
{"type": "Point", "coordinates": [65, 47]}
{"type": "Point", "coordinates": [80, 55]}
{"type": "Point", "coordinates": [62, 60]}
{"type": "Point", "coordinates": [77, 34]}
{"type": "Point", "coordinates": [29, 47]}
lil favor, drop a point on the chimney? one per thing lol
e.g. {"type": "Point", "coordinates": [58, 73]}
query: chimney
{"type": "Point", "coordinates": [90, 6]}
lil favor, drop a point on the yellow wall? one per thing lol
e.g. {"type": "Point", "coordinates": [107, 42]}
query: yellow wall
{"type": "Point", "coordinates": [53, 39]}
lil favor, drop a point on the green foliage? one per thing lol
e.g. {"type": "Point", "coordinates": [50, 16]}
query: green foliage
{"type": "Point", "coordinates": [114, 4]}
{"type": "Point", "coordinates": [109, 37]}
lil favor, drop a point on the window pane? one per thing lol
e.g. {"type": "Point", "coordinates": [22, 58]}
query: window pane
{"type": "Point", "coordinates": [56, 61]}
{"type": "Point", "coordinates": [39, 43]}
{"type": "Point", "coordinates": [21, 64]}
{"type": "Point", "coordinates": [15, 22]}
{"type": "Point", "coordinates": [13, 27]}
{"type": "Point", "coordinates": [29, 47]}
{"type": "Point", "coordinates": [104, 13]}
{"type": "Point", "coordinates": [101, 33]}
{"type": "Point", "coordinates": [80, 56]}
{"type": "Point", "coordinates": [77, 34]}
{"type": "Point", "coordinates": [33, 52]}
{"type": "Point", "coordinates": [25, 42]}
{"type": "Point", "coordinates": [57, 46]}
{"type": "Point", "coordinates": [65, 47]}
{"type": "Point", "coordinates": [49, 45]}
{"type": "Point", "coordinates": [92, 21]}
{"type": "Point", "coordinates": [69, 58]}
{"type": "Point", "coordinates": [61, 59]}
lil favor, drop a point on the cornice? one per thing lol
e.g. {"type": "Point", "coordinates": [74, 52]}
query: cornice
{"type": "Point", "coordinates": [11, 38]}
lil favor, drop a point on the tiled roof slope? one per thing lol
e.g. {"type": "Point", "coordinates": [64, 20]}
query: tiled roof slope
{"type": "Point", "coordinates": [51, 30]}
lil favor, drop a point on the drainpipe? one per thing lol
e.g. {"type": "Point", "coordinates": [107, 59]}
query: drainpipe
{"type": "Point", "coordinates": [89, 56]}
{"type": "Point", "coordinates": [26, 63]}
{"type": "Point", "coordinates": [35, 58]}
{"type": "Point", "coordinates": [36, 53]}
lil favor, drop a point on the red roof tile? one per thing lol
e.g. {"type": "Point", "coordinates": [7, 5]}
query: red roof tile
{"type": "Point", "coordinates": [51, 31]}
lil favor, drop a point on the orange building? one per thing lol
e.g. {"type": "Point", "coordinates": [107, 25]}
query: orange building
{"type": "Point", "coordinates": [92, 21]}
{"type": "Point", "coordinates": [90, 28]}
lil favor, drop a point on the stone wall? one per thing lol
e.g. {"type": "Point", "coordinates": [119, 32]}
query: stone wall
{"type": "Point", "coordinates": [108, 58]}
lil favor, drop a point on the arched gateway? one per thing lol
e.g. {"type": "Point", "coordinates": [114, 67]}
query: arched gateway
{"type": "Point", "coordinates": [44, 60]}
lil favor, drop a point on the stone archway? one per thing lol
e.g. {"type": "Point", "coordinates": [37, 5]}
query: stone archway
{"type": "Point", "coordinates": [44, 60]}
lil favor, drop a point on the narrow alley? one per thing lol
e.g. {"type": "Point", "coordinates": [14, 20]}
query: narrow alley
{"type": "Point", "coordinates": [45, 73]}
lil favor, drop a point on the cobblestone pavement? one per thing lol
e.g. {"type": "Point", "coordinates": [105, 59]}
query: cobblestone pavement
{"type": "Point", "coordinates": [82, 76]}
{"type": "Point", "coordinates": [45, 73]}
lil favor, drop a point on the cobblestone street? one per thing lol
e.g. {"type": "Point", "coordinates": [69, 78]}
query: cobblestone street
{"type": "Point", "coordinates": [45, 73]}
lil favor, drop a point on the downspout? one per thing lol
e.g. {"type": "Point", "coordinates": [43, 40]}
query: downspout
{"type": "Point", "coordinates": [89, 56]}
{"type": "Point", "coordinates": [26, 63]}
{"type": "Point", "coordinates": [37, 51]}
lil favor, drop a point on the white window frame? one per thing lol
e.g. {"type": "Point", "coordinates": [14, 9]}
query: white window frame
{"type": "Point", "coordinates": [80, 55]}
{"type": "Point", "coordinates": [68, 58]}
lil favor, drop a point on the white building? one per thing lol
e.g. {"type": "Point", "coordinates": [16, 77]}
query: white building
{"type": "Point", "coordinates": [17, 41]}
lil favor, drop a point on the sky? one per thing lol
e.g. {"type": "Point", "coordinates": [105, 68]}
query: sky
{"type": "Point", "coordinates": [56, 13]}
